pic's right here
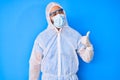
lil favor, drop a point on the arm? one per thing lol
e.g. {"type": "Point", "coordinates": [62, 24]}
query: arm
{"type": "Point", "coordinates": [35, 62]}
{"type": "Point", "coordinates": [85, 49]}
{"type": "Point", "coordinates": [86, 53]}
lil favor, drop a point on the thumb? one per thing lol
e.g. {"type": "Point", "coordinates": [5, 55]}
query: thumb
{"type": "Point", "coordinates": [88, 33]}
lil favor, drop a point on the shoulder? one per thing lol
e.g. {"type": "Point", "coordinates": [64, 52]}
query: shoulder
{"type": "Point", "coordinates": [44, 36]}
{"type": "Point", "coordinates": [73, 32]}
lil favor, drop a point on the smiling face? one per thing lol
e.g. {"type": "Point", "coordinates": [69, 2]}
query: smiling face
{"type": "Point", "coordinates": [54, 11]}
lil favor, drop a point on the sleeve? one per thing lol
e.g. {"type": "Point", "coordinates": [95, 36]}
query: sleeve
{"type": "Point", "coordinates": [35, 61]}
{"type": "Point", "coordinates": [85, 51]}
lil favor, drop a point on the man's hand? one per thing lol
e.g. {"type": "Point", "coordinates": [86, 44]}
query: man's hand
{"type": "Point", "coordinates": [85, 39]}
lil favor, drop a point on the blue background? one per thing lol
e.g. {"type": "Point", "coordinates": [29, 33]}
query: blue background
{"type": "Point", "coordinates": [21, 21]}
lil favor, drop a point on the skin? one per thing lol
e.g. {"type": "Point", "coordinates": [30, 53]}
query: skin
{"type": "Point", "coordinates": [52, 10]}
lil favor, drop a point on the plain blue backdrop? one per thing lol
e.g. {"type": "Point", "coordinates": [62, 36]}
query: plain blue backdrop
{"type": "Point", "coordinates": [22, 20]}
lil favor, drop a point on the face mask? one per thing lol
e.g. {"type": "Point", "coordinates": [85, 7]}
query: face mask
{"type": "Point", "coordinates": [59, 20]}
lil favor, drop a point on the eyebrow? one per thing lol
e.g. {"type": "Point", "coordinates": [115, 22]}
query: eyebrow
{"type": "Point", "coordinates": [55, 11]}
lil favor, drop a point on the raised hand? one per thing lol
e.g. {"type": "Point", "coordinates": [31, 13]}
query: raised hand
{"type": "Point", "coordinates": [85, 39]}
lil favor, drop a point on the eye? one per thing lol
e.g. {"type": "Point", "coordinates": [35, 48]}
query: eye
{"type": "Point", "coordinates": [61, 11]}
{"type": "Point", "coordinates": [52, 14]}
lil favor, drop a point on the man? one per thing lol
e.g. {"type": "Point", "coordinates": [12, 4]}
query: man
{"type": "Point", "coordinates": [55, 49]}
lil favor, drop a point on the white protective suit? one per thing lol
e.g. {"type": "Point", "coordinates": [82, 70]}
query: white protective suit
{"type": "Point", "coordinates": [55, 52]}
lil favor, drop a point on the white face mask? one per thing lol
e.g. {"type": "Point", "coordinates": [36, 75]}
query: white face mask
{"type": "Point", "coordinates": [59, 20]}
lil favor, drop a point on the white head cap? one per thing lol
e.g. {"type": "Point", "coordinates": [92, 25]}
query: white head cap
{"type": "Point", "coordinates": [48, 8]}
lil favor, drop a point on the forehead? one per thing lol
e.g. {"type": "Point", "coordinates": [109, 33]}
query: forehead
{"type": "Point", "coordinates": [54, 8]}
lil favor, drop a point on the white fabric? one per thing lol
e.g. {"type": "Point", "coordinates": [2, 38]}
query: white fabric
{"type": "Point", "coordinates": [55, 52]}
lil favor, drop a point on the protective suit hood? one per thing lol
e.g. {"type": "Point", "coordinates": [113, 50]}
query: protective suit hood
{"type": "Point", "coordinates": [48, 8]}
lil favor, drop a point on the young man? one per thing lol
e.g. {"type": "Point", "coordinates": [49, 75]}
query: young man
{"type": "Point", "coordinates": [55, 49]}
